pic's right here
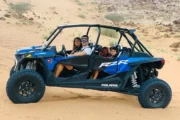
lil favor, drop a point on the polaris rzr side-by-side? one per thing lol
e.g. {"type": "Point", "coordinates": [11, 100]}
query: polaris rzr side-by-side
{"type": "Point", "coordinates": [133, 71]}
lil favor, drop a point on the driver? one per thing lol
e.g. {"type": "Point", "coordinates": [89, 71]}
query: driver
{"type": "Point", "coordinates": [85, 50]}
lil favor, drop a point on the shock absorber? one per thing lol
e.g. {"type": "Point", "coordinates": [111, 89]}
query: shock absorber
{"type": "Point", "coordinates": [28, 66]}
{"type": "Point", "coordinates": [134, 81]}
{"type": "Point", "coordinates": [31, 65]}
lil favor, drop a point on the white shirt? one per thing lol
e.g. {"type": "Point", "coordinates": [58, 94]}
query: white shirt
{"type": "Point", "coordinates": [87, 49]}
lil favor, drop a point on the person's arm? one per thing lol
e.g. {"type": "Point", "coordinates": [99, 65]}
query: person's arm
{"type": "Point", "coordinates": [79, 54]}
{"type": "Point", "coordinates": [86, 51]}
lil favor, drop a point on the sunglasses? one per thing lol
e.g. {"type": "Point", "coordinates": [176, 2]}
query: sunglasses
{"type": "Point", "coordinates": [85, 40]}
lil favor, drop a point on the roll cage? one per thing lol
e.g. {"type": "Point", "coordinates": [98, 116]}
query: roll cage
{"type": "Point", "coordinates": [122, 32]}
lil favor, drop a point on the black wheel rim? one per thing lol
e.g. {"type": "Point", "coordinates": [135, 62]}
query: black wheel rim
{"type": "Point", "coordinates": [156, 96]}
{"type": "Point", "coordinates": [26, 89]}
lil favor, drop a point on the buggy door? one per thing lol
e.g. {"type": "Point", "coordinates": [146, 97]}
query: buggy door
{"type": "Point", "coordinates": [76, 61]}
{"type": "Point", "coordinates": [108, 65]}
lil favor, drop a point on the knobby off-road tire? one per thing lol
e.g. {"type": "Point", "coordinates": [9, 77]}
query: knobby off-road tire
{"type": "Point", "coordinates": [12, 71]}
{"type": "Point", "coordinates": [155, 93]}
{"type": "Point", "coordinates": [25, 86]}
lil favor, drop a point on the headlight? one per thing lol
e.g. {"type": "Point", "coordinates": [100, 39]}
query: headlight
{"type": "Point", "coordinates": [19, 56]}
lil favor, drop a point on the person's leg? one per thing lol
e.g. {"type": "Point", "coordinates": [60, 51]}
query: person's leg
{"type": "Point", "coordinates": [58, 70]}
{"type": "Point", "coordinates": [92, 75]}
{"type": "Point", "coordinates": [96, 74]}
{"type": "Point", "coordinates": [68, 67]}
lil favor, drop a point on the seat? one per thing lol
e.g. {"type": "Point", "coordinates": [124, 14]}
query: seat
{"type": "Point", "coordinates": [98, 47]}
{"type": "Point", "coordinates": [90, 45]}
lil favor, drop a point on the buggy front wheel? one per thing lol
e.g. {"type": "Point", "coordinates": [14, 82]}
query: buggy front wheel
{"type": "Point", "coordinates": [25, 86]}
{"type": "Point", "coordinates": [12, 70]}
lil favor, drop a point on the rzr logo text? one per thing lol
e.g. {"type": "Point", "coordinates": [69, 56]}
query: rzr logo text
{"type": "Point", "coordinates": [113, 63]}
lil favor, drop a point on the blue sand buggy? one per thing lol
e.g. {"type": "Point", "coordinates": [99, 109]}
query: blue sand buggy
{"type": "Point", "coordinates": [133, 71]}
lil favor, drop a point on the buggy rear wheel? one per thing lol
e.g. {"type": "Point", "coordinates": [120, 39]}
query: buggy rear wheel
{"type": "Point", "coordinates": [25, 86]}
{"type": "Point", "coordinates": [155, 93]}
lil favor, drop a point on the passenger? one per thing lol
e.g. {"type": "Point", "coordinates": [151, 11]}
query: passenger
{"type": "Point", "coordinates": [105, 52]}
{"type": "Point", "coordinates": [85, 50]}
{"type": "Point", "coordinates": [77, 45]}
{"type": "Point", "coordinates": [114, 53]}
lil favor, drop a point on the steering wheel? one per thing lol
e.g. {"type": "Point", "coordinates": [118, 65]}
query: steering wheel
{"type": "Point", "coordinates": [64, 50]}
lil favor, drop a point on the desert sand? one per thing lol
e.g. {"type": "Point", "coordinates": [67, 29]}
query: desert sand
{"type": "Point", "coordinates": [79, 104]}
